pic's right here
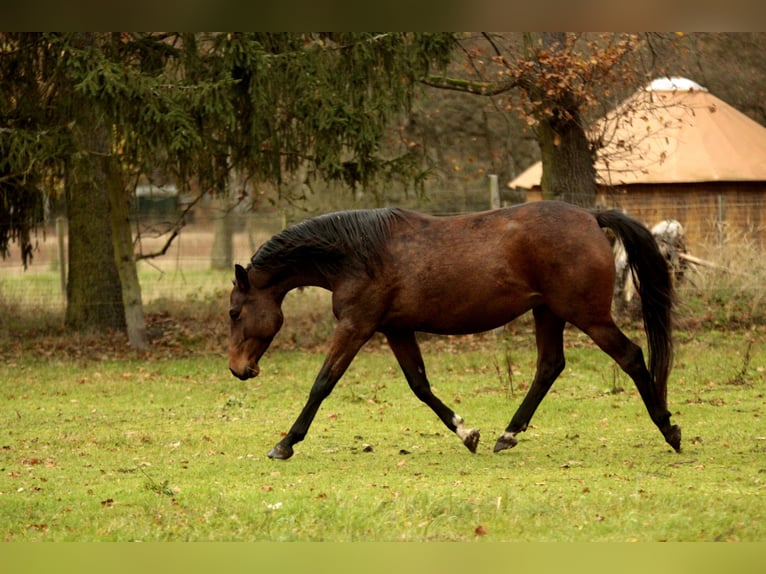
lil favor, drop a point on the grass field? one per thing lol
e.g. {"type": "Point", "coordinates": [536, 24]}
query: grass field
{"type": "Point", "coordinates": [98, 443]}
{"type": "Point", "coordinates": [166, 447]}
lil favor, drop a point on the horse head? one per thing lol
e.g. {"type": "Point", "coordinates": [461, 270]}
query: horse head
{"type": "Point", "coordinates": [256, 317]}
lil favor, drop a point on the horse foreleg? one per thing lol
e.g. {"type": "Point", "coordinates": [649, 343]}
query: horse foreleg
{"type": "Point", "coordinates": [407, 352]}
{"type": "Point", "coordinates": [345, 345]}
{"type": "Point", "coordinates": [549, 334]}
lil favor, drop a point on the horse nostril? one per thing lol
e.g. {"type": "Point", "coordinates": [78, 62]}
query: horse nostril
{"type": "Point", "coordinates": [241, 377]}
{"type": "Point", "coordinates": [248, 373]}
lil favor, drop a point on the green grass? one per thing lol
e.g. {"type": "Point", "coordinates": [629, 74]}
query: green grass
{"type": "Point", "coordinates": [160, 449]}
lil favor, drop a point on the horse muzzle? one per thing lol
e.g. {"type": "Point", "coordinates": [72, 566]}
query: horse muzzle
{"type": "Point", "coordinates": [245, 373]}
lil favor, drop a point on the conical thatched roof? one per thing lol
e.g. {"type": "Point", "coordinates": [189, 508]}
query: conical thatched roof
{"type": "Point", "coordinates": [673, 131]}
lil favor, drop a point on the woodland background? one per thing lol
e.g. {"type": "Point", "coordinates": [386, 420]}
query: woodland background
{"type": "Point", "coordinates": [462, 137]}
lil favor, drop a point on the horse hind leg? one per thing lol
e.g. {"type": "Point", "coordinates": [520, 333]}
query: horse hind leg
{"type": "Point", "coordinates": [549, 334]}
{"type": "Point", "coordinates": [407, 352]}
{"type": "Point", "coordinates": [630, 358]}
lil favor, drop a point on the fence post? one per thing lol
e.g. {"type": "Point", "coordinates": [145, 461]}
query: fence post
{"type": "Point", "coordinates": [60, 233]}
{"type": "Point", "coordinates": [494, 192]}
{"type": "Point", "coordinates": [494, 203]}
{"type": "Point", "coordinates": [720, 222]}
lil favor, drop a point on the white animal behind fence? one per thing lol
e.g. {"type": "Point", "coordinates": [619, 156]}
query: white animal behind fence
{"type": "Point", "coordinates": [669, 235]}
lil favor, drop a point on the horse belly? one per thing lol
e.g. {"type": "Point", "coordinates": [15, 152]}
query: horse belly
{"type": "Point", "coordinates": [457, 311]}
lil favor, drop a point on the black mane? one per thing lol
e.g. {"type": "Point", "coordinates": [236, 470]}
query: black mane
{"type": "Point", "coordinates": [344, 240]}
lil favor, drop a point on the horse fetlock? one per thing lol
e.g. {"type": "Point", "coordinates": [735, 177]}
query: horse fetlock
{"type": "Point", "coordinates": [507, 440]}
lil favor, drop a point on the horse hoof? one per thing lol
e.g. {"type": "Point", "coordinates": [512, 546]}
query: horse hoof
{"type": "Point", "coordinates": [506, 440]}
{"type": "Point", "coordinates": [673, 437]}
{"type": "Point", "coordinates": [472, 440]}
{"type": "Point", "coordinates": [281, 452]}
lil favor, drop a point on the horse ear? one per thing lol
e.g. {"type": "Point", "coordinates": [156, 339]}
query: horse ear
{"type": "Point", "coordinates": [242, 282]}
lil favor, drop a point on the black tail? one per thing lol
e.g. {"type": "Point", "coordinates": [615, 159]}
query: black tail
{"type": "Point", "coordinates": [655, 287]}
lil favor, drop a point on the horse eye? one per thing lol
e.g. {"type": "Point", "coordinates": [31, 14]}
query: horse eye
{"type": "Point", "coordinates": [234, 314]}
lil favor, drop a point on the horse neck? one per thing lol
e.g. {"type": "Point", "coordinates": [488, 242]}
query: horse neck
{"type": "Point", "coordinates": [303, 278]}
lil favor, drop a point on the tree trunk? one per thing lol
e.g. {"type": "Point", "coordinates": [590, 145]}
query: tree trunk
{"type": "Point", "coordinates": [94, 297]}
{"type": "Point", "coordinates": [222, 256]}
{"type": "Point", "coordinates": [568, 172]}
{"type": "Point", "coordinates": [122, 238]}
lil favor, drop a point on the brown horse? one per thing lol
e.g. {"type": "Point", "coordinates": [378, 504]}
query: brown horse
{"type": "Point", "coordinates": [397, 272]}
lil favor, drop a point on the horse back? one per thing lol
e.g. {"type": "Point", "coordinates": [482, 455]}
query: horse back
{"type": "Point", "coordinates": [473, 272]}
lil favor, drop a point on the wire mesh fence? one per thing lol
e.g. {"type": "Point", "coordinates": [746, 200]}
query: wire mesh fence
{"type": "Point", "coordinates": [732, 247]}
{"type": "Point", "coordinates": [184, 271]}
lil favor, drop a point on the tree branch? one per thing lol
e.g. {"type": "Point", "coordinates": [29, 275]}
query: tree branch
{"type": "Point", "coordinates": [176, 229]}
{"type": "Point", "coordinates": [469, 86]}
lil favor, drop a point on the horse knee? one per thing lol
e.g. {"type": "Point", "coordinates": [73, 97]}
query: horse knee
{"type": "Point", "coordinates": [320, 390]}
{"type": "Point", "coordinates": [550, 368]}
